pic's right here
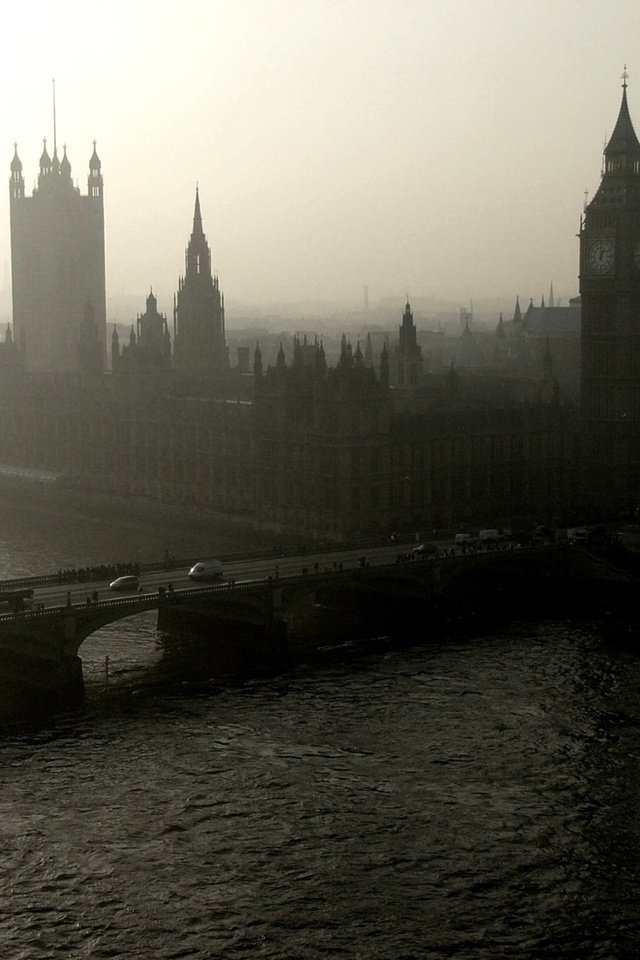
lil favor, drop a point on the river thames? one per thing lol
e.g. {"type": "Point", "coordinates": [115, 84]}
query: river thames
{"type": "Point", "coordinates": [473, 798]}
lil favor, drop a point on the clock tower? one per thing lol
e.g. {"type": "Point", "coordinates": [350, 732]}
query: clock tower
{"type": "Point", "coordinates": [610, 339]}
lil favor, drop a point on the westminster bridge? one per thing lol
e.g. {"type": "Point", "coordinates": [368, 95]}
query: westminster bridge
{"type": "Point", "coordinates": [293, 614]}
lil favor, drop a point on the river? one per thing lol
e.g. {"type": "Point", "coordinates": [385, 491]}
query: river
{"type": "Point", "coordinates": [475, 798]}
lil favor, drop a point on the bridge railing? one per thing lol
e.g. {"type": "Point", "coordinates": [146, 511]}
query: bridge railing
{"type": "Point", "coordinates": [143, 600]}
{"type": "Point", "coordinates": [163, 595]}
{"type": "Point", "coordinates": [151, 600]}
{"type": "Point", "coordinates": [94, 573]}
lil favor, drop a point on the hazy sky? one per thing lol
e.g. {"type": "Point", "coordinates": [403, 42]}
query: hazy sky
{"type": "Point", "coordinates": [429, 147]}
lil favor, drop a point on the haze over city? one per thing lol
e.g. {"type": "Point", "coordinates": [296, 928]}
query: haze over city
{"type": "Point", "coordinates": [439, 150]}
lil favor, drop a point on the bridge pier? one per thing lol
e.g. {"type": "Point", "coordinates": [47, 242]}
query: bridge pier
{"type": "Point", "coordinates": [204, 640]}
{"type": "Point", "coordinates": [31, 685]}
{"type": "Point", "coordinates": [260, 628]}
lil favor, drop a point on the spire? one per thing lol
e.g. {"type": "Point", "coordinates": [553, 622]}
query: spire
{"type": "Point", "coordinates": [623, 140]}
{"type": "Point", "coordinates": [517, 313]}
{"type": "Point", "coordinates": [17, 180]}
{"type": "Point", "coordinates": [530, 310]}
{"type": "Point", "coordinates": [551, 300]}
{"type": "Point", "coordinates": [95, 175]}
{"type": "Point", "coordinates": [407, 333]}
{"type": "Point", "coordinates": [16, 163]}
{"type": "Point", "coordinates": [94, 162]}
{"type": "Point", "coordinates": [45, 159]}
{"type": "Point", "coordinates": [197, 216]}
{"type": "Point", "coordinates": [65, 166]}
{"type": "Point", "coordinates": [257, 362]}
{"type": "Point", "coordinates": [115, 349]}
{"type": "Point", "coordinates": [152, 303]}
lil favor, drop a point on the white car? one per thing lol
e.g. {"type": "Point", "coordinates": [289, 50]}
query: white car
{"type": "Point", "coordinates": [123, 584]}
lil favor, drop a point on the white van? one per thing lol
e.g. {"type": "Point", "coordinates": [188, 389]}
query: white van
{"type": "Point", "coordinates": [577, 534]}
{"type": "Point", "coordinates": [490, 535]}
{"type": "Point", "coordinates": [206, 570]}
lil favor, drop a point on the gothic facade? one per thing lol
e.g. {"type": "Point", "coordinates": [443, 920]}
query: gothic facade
{"type": "Point", "coordinates": [57, 263]}
{"type": "Point", "coordinates": [200, 351]}
{"type": "Point", "coordinates": [610, 291]}
{"type": "Point", "coordinates": [370, 446]}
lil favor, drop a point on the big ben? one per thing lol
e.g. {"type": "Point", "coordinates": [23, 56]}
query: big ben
{"type": "Point", "coordinates": [610, 339]}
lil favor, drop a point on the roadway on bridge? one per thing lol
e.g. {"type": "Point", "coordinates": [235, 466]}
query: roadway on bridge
{"type": "Point", "coordinates": [239, 571]}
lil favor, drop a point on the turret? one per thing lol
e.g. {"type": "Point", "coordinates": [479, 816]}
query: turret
{"type": "Point", "coordinates": [199, 348]}
{"type": "Point", "coordinates": [95, 175]}
{"type": "Point", "coordinates": [257, 363]}
{"type": "Point", "coordinates": [115, 349]}
{"type": "Point", "coordinates": [65, 166]}
{"type": "Point", "coordinates": [45, 164]}
{"type": "Point", "coordinates": [517, 313]}
{"type": "Point", "coordinates": [407, 331]}
{"type": "Point", "coordinates": [16, 183]}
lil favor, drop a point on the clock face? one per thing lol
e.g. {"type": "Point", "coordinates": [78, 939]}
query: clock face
{"type": "Point", "coordinates": [600, 256]}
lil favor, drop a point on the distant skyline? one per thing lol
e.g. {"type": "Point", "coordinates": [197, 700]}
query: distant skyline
{"type": "Point", "coordinates": [429, 149]}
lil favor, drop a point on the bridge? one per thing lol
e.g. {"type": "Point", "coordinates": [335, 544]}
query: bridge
{"type": "Point", "coordinates": [274, 620]}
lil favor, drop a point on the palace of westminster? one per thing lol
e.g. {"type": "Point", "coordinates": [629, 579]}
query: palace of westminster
{"type": "Point", "coordinates": [546, 430]}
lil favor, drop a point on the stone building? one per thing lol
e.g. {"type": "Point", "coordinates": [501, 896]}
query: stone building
{"type": "Point", "coordinates": [200, 351]}
{"type": "Point", "coordinates": [57, 262]}
{"type": "Point", "coordinates": [610, 293]}
{"type": "Point", "coordinates": [372, 445]}
{"type": "Point", "coordinates": [148, 353]}
{"type": "Point", "coordinates": [339, 453]}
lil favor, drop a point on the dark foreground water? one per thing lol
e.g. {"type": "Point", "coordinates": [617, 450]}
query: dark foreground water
{"type": "Point", "coordinates": [474, 799]}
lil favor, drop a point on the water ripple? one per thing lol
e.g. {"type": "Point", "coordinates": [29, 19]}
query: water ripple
{"type": "Point", "coordinates": [476, 799]}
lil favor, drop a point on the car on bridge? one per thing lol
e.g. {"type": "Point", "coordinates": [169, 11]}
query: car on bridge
{"type": "Point", "coordinates": [465, 539]}
{"type": "Point", "coordinates": [424, 550]}
{"type": "Point", "coordinates": [16, 600]}
{"type": "Point", "coordinates": [206, 570]}
{"type": "Point", "coordinates": [124, 584]}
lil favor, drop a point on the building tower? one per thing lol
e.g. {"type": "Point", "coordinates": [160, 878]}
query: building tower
{"type": "Point", "coordinates": [610, 337]}
{"type": "Point", "coordinates": [154, 342]}
{"type": "Point", "coordinates": [57, 261]}
{"type": "Point", "coordinates": [200, 351]}
{"type": "Point", "coordinates": [409, 365]}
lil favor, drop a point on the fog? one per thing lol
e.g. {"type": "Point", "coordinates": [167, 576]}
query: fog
{"type": "Point", "coordinates": [416, 147]}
